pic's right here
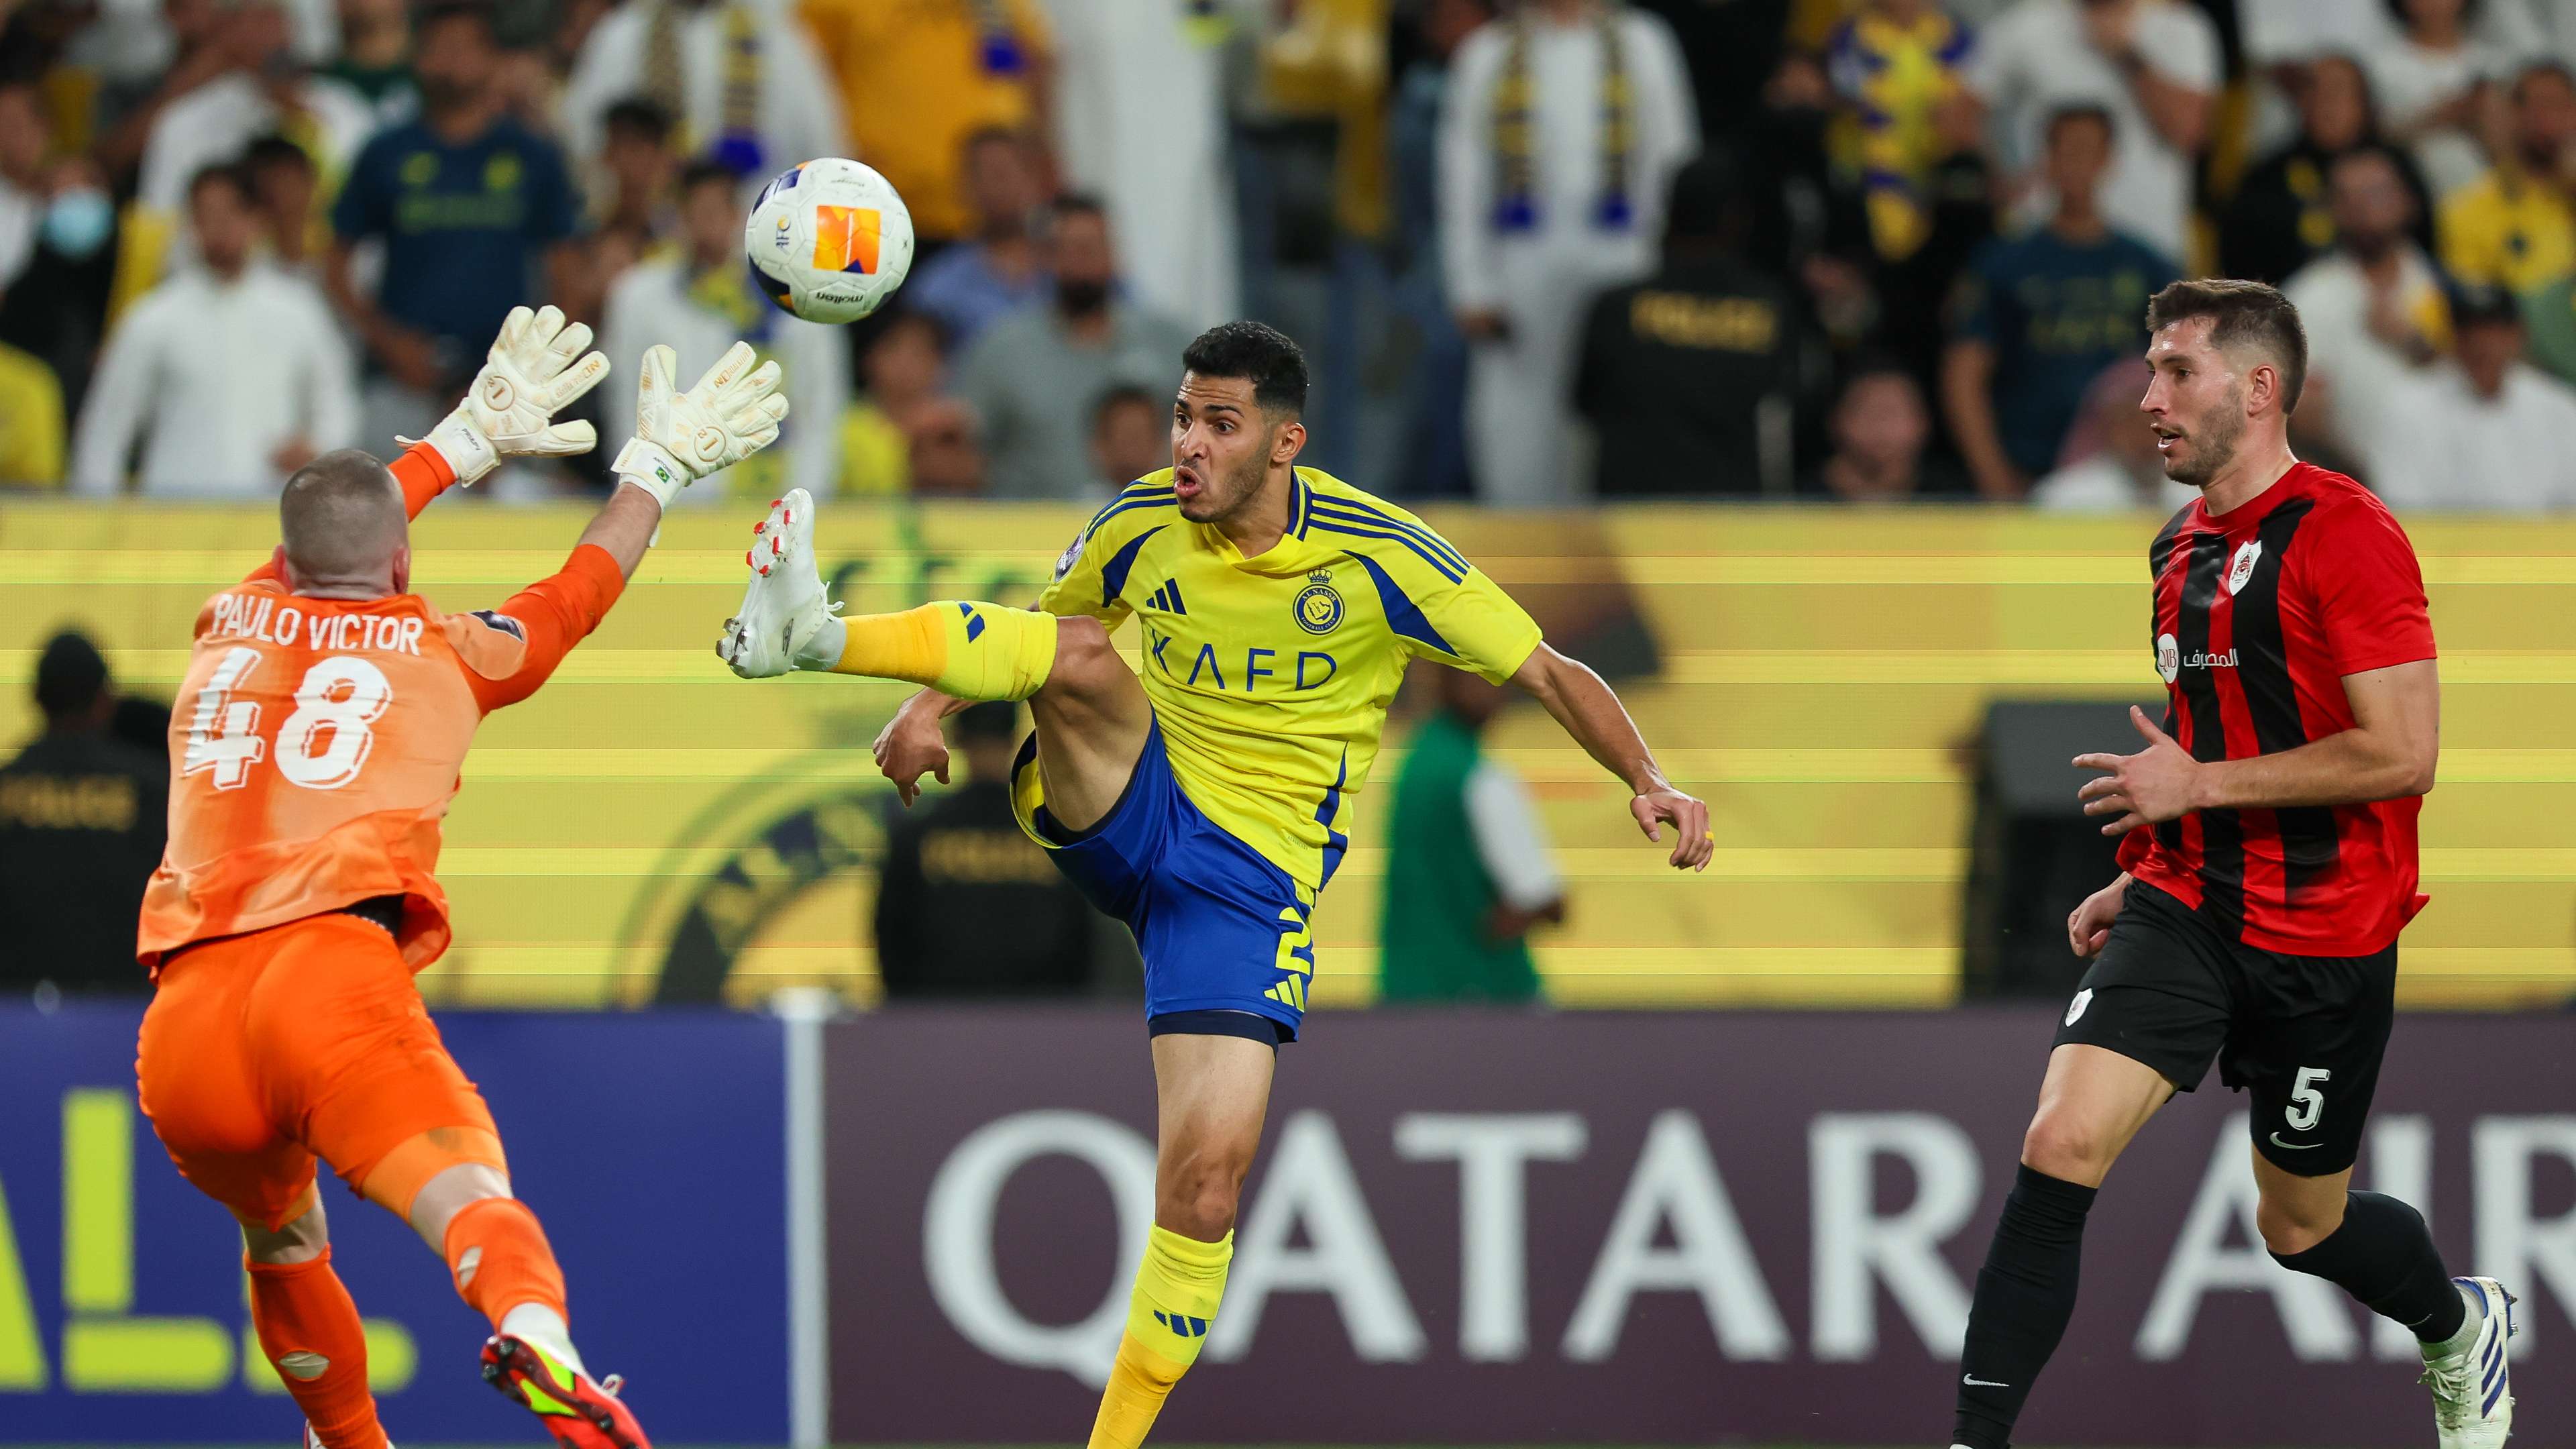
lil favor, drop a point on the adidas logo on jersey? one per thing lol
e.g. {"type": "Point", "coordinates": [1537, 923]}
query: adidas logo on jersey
{"type": "Point", "coordinates": [1167, 598]}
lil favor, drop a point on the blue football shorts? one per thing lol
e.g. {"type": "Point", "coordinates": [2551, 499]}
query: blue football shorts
{"type": "Point", "coordinates": [1223, 931]}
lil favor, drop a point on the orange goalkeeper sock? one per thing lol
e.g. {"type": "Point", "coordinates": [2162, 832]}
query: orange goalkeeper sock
{"type": "Point", "coordinates": [309, 1331]}
{"type": "Point", "coordinates": [964, 648]}
{"type": "Point", "coordinates": [501, 1260]}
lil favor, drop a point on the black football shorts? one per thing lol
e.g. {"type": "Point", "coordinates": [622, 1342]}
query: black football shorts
{"type": "Point", "coordinates": [2303, 1035]}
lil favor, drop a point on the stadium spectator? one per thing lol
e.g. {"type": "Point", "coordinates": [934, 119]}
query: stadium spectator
{"type": "Point", "coordinates": [374, 57]}
{"type": "Point", "coordinates": [1896, 65]}
{"type": "Point", "coordinates": [2151, 65]}
{"type": "Point", "coordinates": [2514, 226]}
{"type": "Point", "coordinates": [2431, 80]}
{"type": "Point", "coordinates": [264, 88]}
{"type": "Point", "coordinates": [1131, 436]}
{"type": "Point", "coordinates": [286, 193]}
{"type": "Point", "coordinates": [1157, 154]}
{"type": "Point", "coordinates": [1880, 428]}
{"type": "Point", "coordinates": [700, 302]}
{"type": "Point", "coordinates": [147, 58]}
{"type": "Point", "coordinates": [1431, 395]}
{"type": "Point", "coordinates": [232, 372]}
{"type": "Point", "coordinates": [82, 821]}
{"type": "Point", "coordinates": [2038, 317]}
{"type": "Point", "coordinates": [2372, 306]}
{"type": "Point", "coordinates": [967, 905]}
{"type": "Point", "coordinates": [1686, 376]}
{"type": "Point", "coordinates": [639, 166]}
{"type": "Point", "coordinates": [31, 422]}
{"type": "Point", "coordinates": [1034, 377]}
{"type": "Point", "coordinates": [1808, 218]}
{"type": "Point", "coordinates": [901, 369]}
{"type": "Point", "coordinates": [466, 201]}
{"type": "Point", "coordinates": [2116, 468]}
{"type": "Point", "coordinates": [2280, 220]}
{"type": "Point", "coordinates": [942, 452]}
{"type": "Point", "coordinates": [974, 283]}
{"type": "Point", "coordinates": [1453, 924]}
{"type": "Point", "coordinates": [57, 309]}
{"type": "Point", "coordinates": [918, 80]}
{"type": "Point", "coordinates": [2486, 432]}
{"type": "Point", "coordinates": [24, 139]}
{"type": "Point", "coordinates": [1562, 129]}
{"type": "Point", "coordinates": [740, 78]}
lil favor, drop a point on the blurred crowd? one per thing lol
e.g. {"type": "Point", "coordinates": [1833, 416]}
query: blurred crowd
{"type": "Point", "coordinates": [1539, 250]}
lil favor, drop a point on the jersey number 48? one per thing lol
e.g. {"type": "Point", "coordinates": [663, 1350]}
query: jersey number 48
{"type": "Point", "coordinates": [321, 746]}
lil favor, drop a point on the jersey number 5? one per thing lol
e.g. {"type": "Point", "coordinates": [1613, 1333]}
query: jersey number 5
{"type": "Point", "coordinates": [321, 746]}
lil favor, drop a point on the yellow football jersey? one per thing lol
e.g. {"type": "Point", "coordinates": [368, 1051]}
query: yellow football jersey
{"type": "Point", "coordinates": [1271, 675]}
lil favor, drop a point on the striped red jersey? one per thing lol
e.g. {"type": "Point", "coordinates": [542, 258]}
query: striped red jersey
{"type": "Point", "coordinates": [2259, 614]}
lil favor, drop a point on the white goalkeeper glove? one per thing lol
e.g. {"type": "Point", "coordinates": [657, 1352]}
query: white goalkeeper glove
{"type": "Point", "coordinates": [538, 366]}
{"type": "Point", "coordinates": [681, 437]}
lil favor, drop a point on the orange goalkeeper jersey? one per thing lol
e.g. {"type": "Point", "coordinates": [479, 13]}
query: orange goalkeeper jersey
{"type": "Point", "coordinates": [315, 743]}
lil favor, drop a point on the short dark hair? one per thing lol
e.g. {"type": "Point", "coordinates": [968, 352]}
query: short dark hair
{"type": "Point", "coordinates": [1078, 203]}
{"type": "Point", "coordinates": [641, 118]}
{"type": "Point", "coordinates": [1125, 394]}
{"type": "Point", "coordinates": [2241, 314]}
{"type": "Point", "coordinates": [1706, 204]}
{"type": "Point", "coordinates": [70, 675]}
{"type": "Point", "coordinates": [438, 12]}
{"type": "Point", "coordinates": [704, 173]}
{"type": "Point", "coordinates": [991, 719]}
{"type": "Point", "coordinates": [983, 136]}
{"type": "Point", "coordinates": [2068, 115]}
{"type": "Point", "coordinates": [234, 174]}
{"type": "Point", "coordinates": [275, 150]}
{"type": "Point", "coordinates": [2532, 69]}
{"type": "Point", "coordinates": [340, 514]}
{"type": "Point", "coordinates": [1257, 352]}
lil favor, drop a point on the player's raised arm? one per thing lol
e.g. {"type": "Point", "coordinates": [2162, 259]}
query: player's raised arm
{"type": "Point", "coordinates": [538, 366]}
{"type": "Point", "coordinates": [1592, 714]}
{"type": "Point", "coordinates": [680, 437]}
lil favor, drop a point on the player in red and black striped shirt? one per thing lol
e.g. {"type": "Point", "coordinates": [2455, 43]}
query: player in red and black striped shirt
{"type": "Point", "coordinates": [2268, 863]}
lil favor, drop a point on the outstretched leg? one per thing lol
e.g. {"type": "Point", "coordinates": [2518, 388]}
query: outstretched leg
{"type": "Point", "coordinates": [309, 1328]}
{"type": "Point", "coordinates": [2091, 1105]}
{"type": "Point", "coordinates": [1211, 1094]}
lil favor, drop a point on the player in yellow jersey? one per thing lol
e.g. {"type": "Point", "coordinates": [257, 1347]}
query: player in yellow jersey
{"type": "Point", "coordinates": [1207, 802]}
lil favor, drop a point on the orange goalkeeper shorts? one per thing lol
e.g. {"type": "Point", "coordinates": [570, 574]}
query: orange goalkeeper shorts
{"type": "Point", "coordinates": [264, 1051]}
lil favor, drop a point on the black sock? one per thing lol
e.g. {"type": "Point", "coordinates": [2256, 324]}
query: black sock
{"type": "Point", "coordinates": [2384, 1256]}
{"type": "Point", "coordinates": [2025, 1294]}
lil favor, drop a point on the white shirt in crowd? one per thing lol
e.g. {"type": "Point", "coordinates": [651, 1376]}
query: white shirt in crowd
{"type": "Point", "coordinates": [216, 375]}
{"type": "Point", "coordinates": [2445, 448]}
{"type": "Point", "coordinates": [651, 304]}
{"type": "Point", "coordinates": [216, 122]}
{"type": "Point", "coordinates": [2100, 485]}
{"type": "Point", "coordinates": [2409, 82]}
{"type": "Point", "coordinates": [1511, 840]}
{"type": "Point", "coordinates": [1518, 388]}
{"type": "Point", "coordinates": [799, 114]}
{"type": "Point", "coordinates": [2036, 59]}
{"type": "Point", "coordinates": [1154, 153]}
{"type": "Point", "coordinates": [2359, 370]}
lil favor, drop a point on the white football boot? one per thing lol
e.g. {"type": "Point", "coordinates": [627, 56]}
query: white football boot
{"type": "Point", "coordinates": [314, 1441]}
{"type": "Point", "coordinates": [785, 605]}
{"type": "Point", "coordinates": [2473, 1386]}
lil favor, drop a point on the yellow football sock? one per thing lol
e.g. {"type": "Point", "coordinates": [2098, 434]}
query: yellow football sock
{"type": "Point", "coordinates": [1177, 1289]}
{"type": "Point", "coordinates": [971, 650]}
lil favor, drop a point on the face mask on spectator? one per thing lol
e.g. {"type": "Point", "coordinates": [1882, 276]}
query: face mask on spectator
{"type": "Point", "coordinates": [78, 222]}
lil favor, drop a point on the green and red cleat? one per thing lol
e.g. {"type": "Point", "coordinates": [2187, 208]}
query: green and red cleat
{"type": "Point", "coordinates": [581, 1412]}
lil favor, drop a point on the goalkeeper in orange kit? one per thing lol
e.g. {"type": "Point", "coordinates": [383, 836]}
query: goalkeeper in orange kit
{"type": "Point", "coordinates": [318, 737]}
